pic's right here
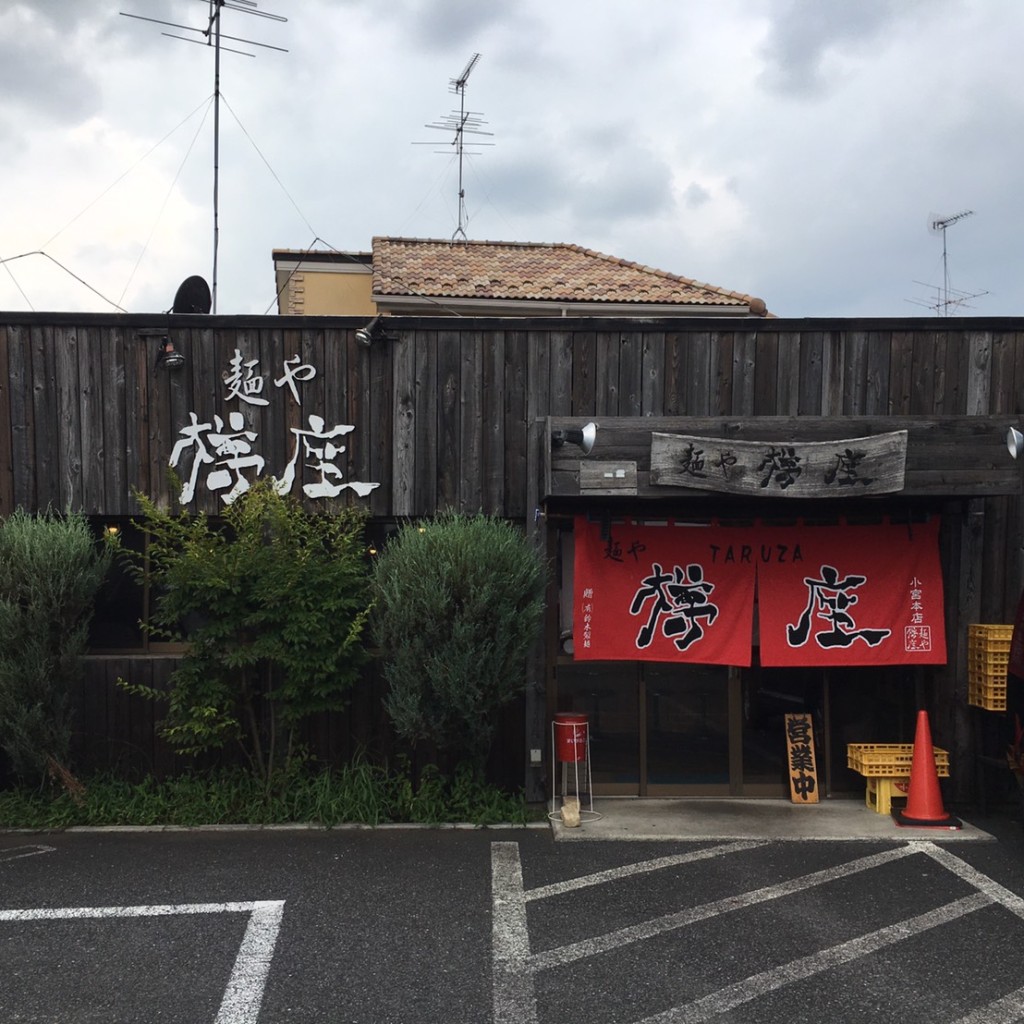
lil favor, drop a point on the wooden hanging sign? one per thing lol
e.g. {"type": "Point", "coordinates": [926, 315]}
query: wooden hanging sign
{"type": "Point", "coordinates": [844, 468]}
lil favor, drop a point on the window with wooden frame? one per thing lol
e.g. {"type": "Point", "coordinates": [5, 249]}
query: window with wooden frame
{"type": "Point", "coordinates": [124, 603]}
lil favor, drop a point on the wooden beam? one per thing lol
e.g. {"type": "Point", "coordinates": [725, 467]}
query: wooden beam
{"type": "Point", "coordinates": [947, 456]}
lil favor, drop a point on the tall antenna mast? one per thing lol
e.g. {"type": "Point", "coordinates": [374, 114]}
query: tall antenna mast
{"type": "Point", "coordinates": [212, 37]}
{"type": "Point", "coordinates": [940, 224]}
{"type": "Point", "coordinates": [946, 297]}
{"type": "Point", "coordinates": [462, 122]}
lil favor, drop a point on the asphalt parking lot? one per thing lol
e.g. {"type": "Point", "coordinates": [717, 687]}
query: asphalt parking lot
{"type": "Point", "coordinates": [406, 925]}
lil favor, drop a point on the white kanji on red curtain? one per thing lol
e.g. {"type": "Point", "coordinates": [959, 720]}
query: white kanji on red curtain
{"type": "Point", "coordinates": [828, 595]}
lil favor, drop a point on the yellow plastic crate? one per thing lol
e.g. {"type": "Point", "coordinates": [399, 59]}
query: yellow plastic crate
{"type": "Point", "coordinates": [988, 655]}
{"type": "Point", "coordinates": [986, 636]}
{"type": "Point", "coordinates": [890, 760]}
{"type": "Point", "coordinates": [990, 695]}
{"type": "Point", "coordinates": [881, 792]}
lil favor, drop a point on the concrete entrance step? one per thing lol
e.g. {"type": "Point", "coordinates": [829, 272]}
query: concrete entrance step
{"type": "Point", "coordinates": [709, 818]}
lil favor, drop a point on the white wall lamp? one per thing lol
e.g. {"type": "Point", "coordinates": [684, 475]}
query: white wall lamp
{"type": "Point", "coordinates": [1014, 442]}
{"type": "Point", "coordinates": [583, 436]}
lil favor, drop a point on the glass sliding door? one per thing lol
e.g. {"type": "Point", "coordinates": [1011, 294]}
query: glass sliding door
{"type": "Point", "coordinates": [687, 731]}
{"type": "Point", "coordinates": [607, 693]}
{"type": "Point", "coordinates": [769, 694]}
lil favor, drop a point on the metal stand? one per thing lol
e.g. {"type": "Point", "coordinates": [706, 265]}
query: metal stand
{"type": "Point", "coordinates": [589, 812]}
{"type": "Point", "coordinates": [575, 773]}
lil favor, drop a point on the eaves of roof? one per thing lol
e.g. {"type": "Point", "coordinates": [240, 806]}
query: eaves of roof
{"type": "Point", "coordinates": [412, 305]}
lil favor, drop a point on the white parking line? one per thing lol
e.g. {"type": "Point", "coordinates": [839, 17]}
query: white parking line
{"type": "Point", "coordinates": [757, 985]}
{"type": "Point", "coordinates": [169, 910]}
{"type": "Point", "coordinates": [244, 994]}
{"type": "Point", "coordinates": [514, 998]}
{"type": "Point", "coordinates": [515, 966]}
{"type": "Point", "coordinates": [17, 852]}
{"type": "Point", "coordinates": [1008, 1010]}
{"type": "Point", "coordinates": [659, 925]}
{"type": "Point", "coordinates": [972, 876]}
{"type": "Point", "coordinates": [644, 866]}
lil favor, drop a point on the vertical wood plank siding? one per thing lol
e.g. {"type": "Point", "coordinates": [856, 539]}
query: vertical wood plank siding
{"type": "Point", "coordinates": [493, 422]}
{"type": "Point", "coordinates": [6, 434]}
{"type": "Point", "coordinates": [448, 412]}
{"type": "Point", "coordinates": [514, 435]}
{"type": "Point", "coordinates": [442, 412]}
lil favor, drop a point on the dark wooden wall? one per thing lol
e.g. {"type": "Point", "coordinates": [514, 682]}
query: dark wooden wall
{"type": "Point", "coordinates": [449, 414]}
{"type": "Point", "coordinates": [442, 413]}
{"type": "Point", "coordinates": [118, 732]}
{"type": "Point", "coordinates": [453, 412]}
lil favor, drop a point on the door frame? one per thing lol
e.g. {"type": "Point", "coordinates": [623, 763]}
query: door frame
{"type": "Point", "coordinates": [735, 787]}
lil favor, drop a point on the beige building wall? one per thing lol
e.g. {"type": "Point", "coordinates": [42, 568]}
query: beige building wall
{"type": "Point", "coordinates": [324, 289]}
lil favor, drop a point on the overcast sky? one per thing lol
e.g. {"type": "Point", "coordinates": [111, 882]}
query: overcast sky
{"type": "Point", "coordinates": [791, 149]}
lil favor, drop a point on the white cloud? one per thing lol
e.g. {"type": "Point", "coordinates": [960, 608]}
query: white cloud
{"type": "Point", "coordinates": [788, 149]}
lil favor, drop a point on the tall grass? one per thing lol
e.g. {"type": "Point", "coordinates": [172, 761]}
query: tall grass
{"type": "Point", "coordinates": [360, 793]}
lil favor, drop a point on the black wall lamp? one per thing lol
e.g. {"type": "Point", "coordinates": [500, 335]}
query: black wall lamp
{"type": "Point", "coordinates": [373, 331]}
{"type": "Point", "coordinates": [583, 436]}
{"type": "Point", "coordinates": [192, 297]}
{"type": "Point", "coordinates": [167, 356]}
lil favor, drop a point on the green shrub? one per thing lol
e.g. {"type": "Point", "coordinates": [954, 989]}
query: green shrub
{"type": "Point", "coordinates": [272, 604]}
{"type": "Point", "coordinates": [51, 568]}
{"type": "Point", "coordinates": [457, 607]}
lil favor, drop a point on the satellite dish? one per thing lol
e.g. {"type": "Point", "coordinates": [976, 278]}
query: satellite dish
{"type": "Point", "coordinates": [192, 296]}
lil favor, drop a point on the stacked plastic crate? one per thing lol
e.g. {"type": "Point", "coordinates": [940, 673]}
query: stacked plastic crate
{"type": "Point", "coordinates": [988, 655]}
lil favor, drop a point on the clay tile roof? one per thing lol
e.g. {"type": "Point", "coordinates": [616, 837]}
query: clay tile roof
{"type": "Point", "coordinates": [530, 270]}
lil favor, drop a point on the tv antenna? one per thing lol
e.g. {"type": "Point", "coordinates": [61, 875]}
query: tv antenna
{"type": "Point", "coordinates": [461, 122]}
{"type": "Point", "coordinates": [947, 297]}
{"type": "Point", "coordinates": [212, 36]}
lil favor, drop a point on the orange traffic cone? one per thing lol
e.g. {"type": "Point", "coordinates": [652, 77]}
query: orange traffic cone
{"type": "Point", "coordinates": [924, 801]}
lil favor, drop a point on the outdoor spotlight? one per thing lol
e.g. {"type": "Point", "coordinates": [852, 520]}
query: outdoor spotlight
{"type": "Point", "coordinates": [365, 334]}
{"type": "Point", "coordinates": [1014, 442]}
{"type": "Point", "coordinates": [583, 436]}
{"type": "Point", "coordinates": [373, 331]}
{"type": "Point", "coordinates": [167, 356]}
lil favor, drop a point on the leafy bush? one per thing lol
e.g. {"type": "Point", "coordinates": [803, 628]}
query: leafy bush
{"type": "Point", "coordinates": [51, 568]}
{"type": "Point", "coordinates": [272, 604]}
{"type": "Point", "coordinates": [457, 607]}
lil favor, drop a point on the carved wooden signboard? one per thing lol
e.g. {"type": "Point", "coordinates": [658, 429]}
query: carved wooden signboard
{"type": "Point", "coordinates": [801, 767]}
{"type": "Point", "coordinates": [785, 469]}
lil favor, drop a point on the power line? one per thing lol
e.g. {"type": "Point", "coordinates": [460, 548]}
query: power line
{"type": "Point", "coordinates": [46, 255]}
